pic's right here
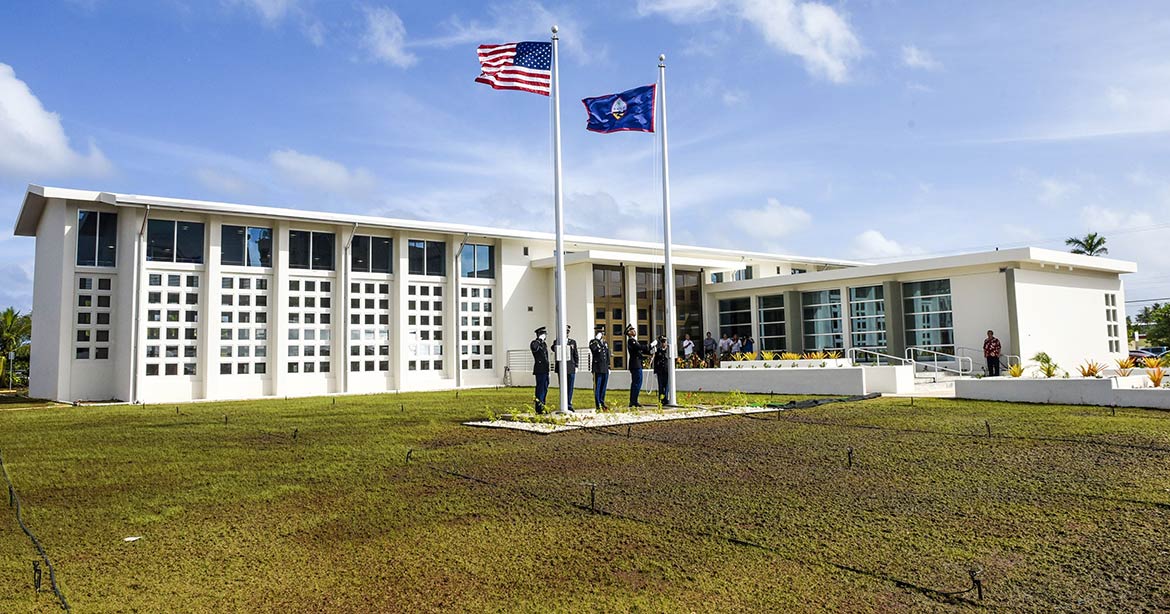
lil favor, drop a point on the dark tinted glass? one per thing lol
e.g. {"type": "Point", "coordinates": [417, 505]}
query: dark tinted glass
{"type": "Point", "coordinates": [298, 249]}
{"type": "Point", "coordinates": [160, 240]}
{"type": "Point", "coordinates": [467, 261]}
{"type": "Point", "coordinates": [417, 252]}
{"type": "Point", "coordinates": [436, 258]}
{"type": "Point", "coordinates": [189, 242]}
{"type": "Point", "coordinates": [232, 245]}
{"type": "Point", "coordinates": [323, 251]}
{"type": "Point", "coordinates": [359, 254]}
{"type": "Point", "coordinates": [107, 242]}
{"type": "Point", "coordinates": [381, 255]}
{"type": "Point", "coordinates": [260, 247]}
{"type": "Point", "coordinates": [87, 227]}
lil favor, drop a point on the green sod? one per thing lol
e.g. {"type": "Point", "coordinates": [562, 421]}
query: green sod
{"type": "Point", "coordinates": [1063, 508]}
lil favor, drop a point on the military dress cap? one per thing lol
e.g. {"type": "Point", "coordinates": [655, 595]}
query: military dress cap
{"type": "Point", "coordinates": [541, 331]}
{"type": "Point", "coordinates": [630, 327]}
{"type": "Point", "coordinates": [600, 328]}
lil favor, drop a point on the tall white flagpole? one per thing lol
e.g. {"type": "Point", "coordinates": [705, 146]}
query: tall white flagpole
{"type": "Point", "coordinates": [671, 300]}
{"type": "Point", "coordinates": [558, 198]}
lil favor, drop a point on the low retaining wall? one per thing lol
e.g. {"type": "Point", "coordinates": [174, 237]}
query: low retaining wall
{"type": "Point", "coordinates": [776, 363]}
{"type": "Point", "coordinates": [1113, 391]}
{"type": "Point", "coordinates": [837, 380]}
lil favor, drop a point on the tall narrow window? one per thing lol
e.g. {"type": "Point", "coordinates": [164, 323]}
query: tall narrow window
{"type": "Point", "coordinates": [259, 247]}
{"type": "Point", "coordinates": [359, 254]}
{"type": "Point", "coordinates": [232, 245]}
{"type": "Point", "coordinates": [97, 238]}
{"type": "Point", "coordinates": [323, 251]}
{"type": "Point", "coordinates": [298, 249]}
{"type": "Point", "coordinates": [189, 242]}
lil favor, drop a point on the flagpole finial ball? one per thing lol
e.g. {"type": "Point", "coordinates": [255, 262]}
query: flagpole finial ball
{"type": "Point", "coordinates": [555, 29]}
{"type": "Point", "coordinates": [662, 57]}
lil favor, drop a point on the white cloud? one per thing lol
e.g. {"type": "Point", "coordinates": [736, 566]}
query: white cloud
{"type": "Point", "coordinates": [33, 143]}
{"type": "Point", "coordinates": [385, 38]}
{"type": "Point", "coordinates": [816, 33]}
{"type": "Point", "coordinates": [914, 57]}
{"type": "Point", "coordinates": [223, 182]}
{"type": "Point", "coordinates": [770, 222]}
{"type": "Point", "coordinates": [316, 173]}
{"type": "Point", "coordinates": [1054, 190]}
{"type": "Point", "coordinates": [521, 18]}
{"type": "Point", "coordinates": [274, 12]}
{"type": "Point", "coordinates": [873, 245]}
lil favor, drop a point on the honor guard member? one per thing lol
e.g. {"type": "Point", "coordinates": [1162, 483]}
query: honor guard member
{"type": "Point", "coordinates": [540, 367]}
{"type": "Point", "coordinates": [572, 360]}
{"type": "Point", "coordinates": [599, 365]}
{"type": "Point", "coordinates": [635, 352]}
{"type": "Point", "coordinates": [661, 363]}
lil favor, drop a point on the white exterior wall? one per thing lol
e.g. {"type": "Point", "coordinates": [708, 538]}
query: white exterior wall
{"type": "Point", "coordinates": [980, 303]}
{"type": "Point", "coordinates": [1063, 314]}
{"type": "Point", "coordinates": [53, 298]}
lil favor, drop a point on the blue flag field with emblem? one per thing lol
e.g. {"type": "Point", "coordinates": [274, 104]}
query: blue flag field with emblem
{"type": "Point", "coordinates": [631, 110]}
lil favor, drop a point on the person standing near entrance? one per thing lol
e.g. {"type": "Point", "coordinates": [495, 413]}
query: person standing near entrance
{"type": "Point", "coordinates": [540, 367]}
{"type": "Point", "coordinates": [991, 351]}
{"type": "Point", "coordinates": [572, 362]}
{"type": "Point", "coordinates": [635, 352]}
{"type": "Point", "coordinates": [599, 365]}
{"type": "Point", "coordinates": [661, 361]}
{"type": "Point", "coordinates": [688, 348]}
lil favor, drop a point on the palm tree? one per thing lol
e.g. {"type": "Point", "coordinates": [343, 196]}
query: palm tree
{"type": "Point", "coordinates": [15, 333]}
{"type": "Point", "coordinates": [1092, 245]}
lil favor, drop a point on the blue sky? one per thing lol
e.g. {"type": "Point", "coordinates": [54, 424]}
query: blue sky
{"type": "Point", "coordinates": [866, 130]}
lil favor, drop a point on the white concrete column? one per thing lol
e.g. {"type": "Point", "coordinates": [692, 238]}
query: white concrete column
{"type": "Point", "coordinates": [451, 300]}
{"type": "Point", "coordinates": [398, 350]}
{"type": "Point", "coordinates": [631, 294]}
{"type": "Point", "coordinates": [278, 311]}
{"type": "Point", "coordinates": [209, 325]}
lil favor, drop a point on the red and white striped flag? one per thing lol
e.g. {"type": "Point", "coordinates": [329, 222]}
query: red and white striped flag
{"type": "Point", "coordinates": [525, 66]}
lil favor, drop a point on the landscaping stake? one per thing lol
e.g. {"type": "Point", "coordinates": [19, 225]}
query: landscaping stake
{"type": "Point", "coordinates": [11, 496]}
{"type": "Point", "coordinates": [408, 454]}
{"type": "Point", "coordinates": [988, 425]}
{"type": "Point", "coordinates": [977, 581]}
{"type": "Point", "coordinates": [628, 427]}
{"type": "Point", "coordinates": [176, 410]}
{"type": "Point", "coordinates": [1114, 409]}
{"type": "Point", "coordinates": [37, 576]}
{"type": "Point", "coordinates": [225, 418]}
{"type": "Point", "coordinates": [295, 434]}
{"type": "Point", "coordinates": [850, 457]}
{"type": "Point", "coordinates": [401, 407]}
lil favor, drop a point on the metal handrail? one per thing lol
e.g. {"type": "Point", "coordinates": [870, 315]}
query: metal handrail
{"type": "Point", "coordinates": [1017, 360]}
{"type": "Point", "coordinates": [853, 352]}
{"type": "Point", "coordinates": [910, 351]}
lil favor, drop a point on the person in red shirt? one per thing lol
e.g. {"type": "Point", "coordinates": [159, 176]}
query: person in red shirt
{"type": "Point", "coordinates": [991, 350]}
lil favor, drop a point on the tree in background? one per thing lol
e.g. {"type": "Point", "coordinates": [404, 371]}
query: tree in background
{"type": "Point", "coordinates": [15, 335]}
{"type": "Point", "coordinates": [1154, 322]}
{"type": "Point", "coordinates": [1092, 245]}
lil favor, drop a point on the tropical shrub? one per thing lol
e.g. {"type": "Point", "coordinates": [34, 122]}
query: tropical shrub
{"type": "Point", "coordinates": [1156, 374]}
{"type": "Point", "coordinates": [833, 354]}
{"type": "Point", "coordinates": [1015, 370]}
{"type": "Point", "coordinates": [766, 355]}
{"type": "Point", "coordinates": [1048, 368]}
{"type": "Point", "coordinates": [1091, 369]}
{"type": "Point", "coordinates": [789, 356]}
{"type": "Point", "coordinates": [1125, 366]}
{"type": "Point", "coordinates": [814, 355]}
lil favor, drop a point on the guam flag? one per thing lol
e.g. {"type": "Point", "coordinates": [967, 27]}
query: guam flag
{"type": "Point", "coordinates": [629, 110]}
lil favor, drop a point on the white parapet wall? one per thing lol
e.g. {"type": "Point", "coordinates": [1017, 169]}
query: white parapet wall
{"type": "Point", "coordinates": [1132, 391]}
{"type": "Point", "coordinates": [816, 380]}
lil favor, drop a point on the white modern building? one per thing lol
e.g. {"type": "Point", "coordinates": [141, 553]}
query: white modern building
{"type": "Point", "coordinates": [148, 299]}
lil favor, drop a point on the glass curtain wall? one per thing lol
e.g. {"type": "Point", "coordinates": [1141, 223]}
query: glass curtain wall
{"type": "Point", "coordinates": [609, 305]}
{"type": "Point", "coordinates": [822, 320]}
{"type": "Point", "coordinates": [771, 318]}
{"type": "Point", "coordinates": [927, 309]}
{"type": "Point", "coordinates": [867, 320]}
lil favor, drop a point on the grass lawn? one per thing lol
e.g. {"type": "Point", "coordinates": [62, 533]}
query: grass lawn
{"type": "Point", "coordinates": [1063, 508]}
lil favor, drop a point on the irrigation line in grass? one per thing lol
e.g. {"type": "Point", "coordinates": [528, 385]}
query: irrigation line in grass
{"type": "Point", "coordinates": [950, 597]}
{"type": "Point", "coordinates": [15, 501]}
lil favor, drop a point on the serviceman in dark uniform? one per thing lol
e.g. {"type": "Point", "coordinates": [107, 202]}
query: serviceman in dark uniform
{"type": "Point", "coordinates": [660, 361]}
{"type": "Point", "coordinates": [635, 352]}
{"type": "Point", "coordinates": [599, 351]}
{"type": "Point", "coordinates": [540, 367]}
{"type": "Point", "coordinates": [573, 363]}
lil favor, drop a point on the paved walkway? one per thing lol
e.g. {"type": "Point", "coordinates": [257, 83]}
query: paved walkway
{"type": "Point", "coordinates": [579, 420]}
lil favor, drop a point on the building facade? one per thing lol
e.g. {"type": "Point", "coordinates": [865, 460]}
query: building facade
{"type": "Point", "coordinates": [147, 299]}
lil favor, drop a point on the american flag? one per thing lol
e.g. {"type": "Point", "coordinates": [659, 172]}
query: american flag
{"type": "Point", "coordinates": [523, 66]}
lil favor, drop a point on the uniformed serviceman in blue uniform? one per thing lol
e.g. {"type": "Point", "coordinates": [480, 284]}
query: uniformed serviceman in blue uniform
{"type": "Point", "coordinates": [599, 365]}
{"type": "Point", "coordinates": [540, 367]}
{"type": "Point", "coordinates": [573, 363]}
{"type": "Point", "coordinates": [660, 361]}
{"type": "Point", "coordinates": [635, 352]}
